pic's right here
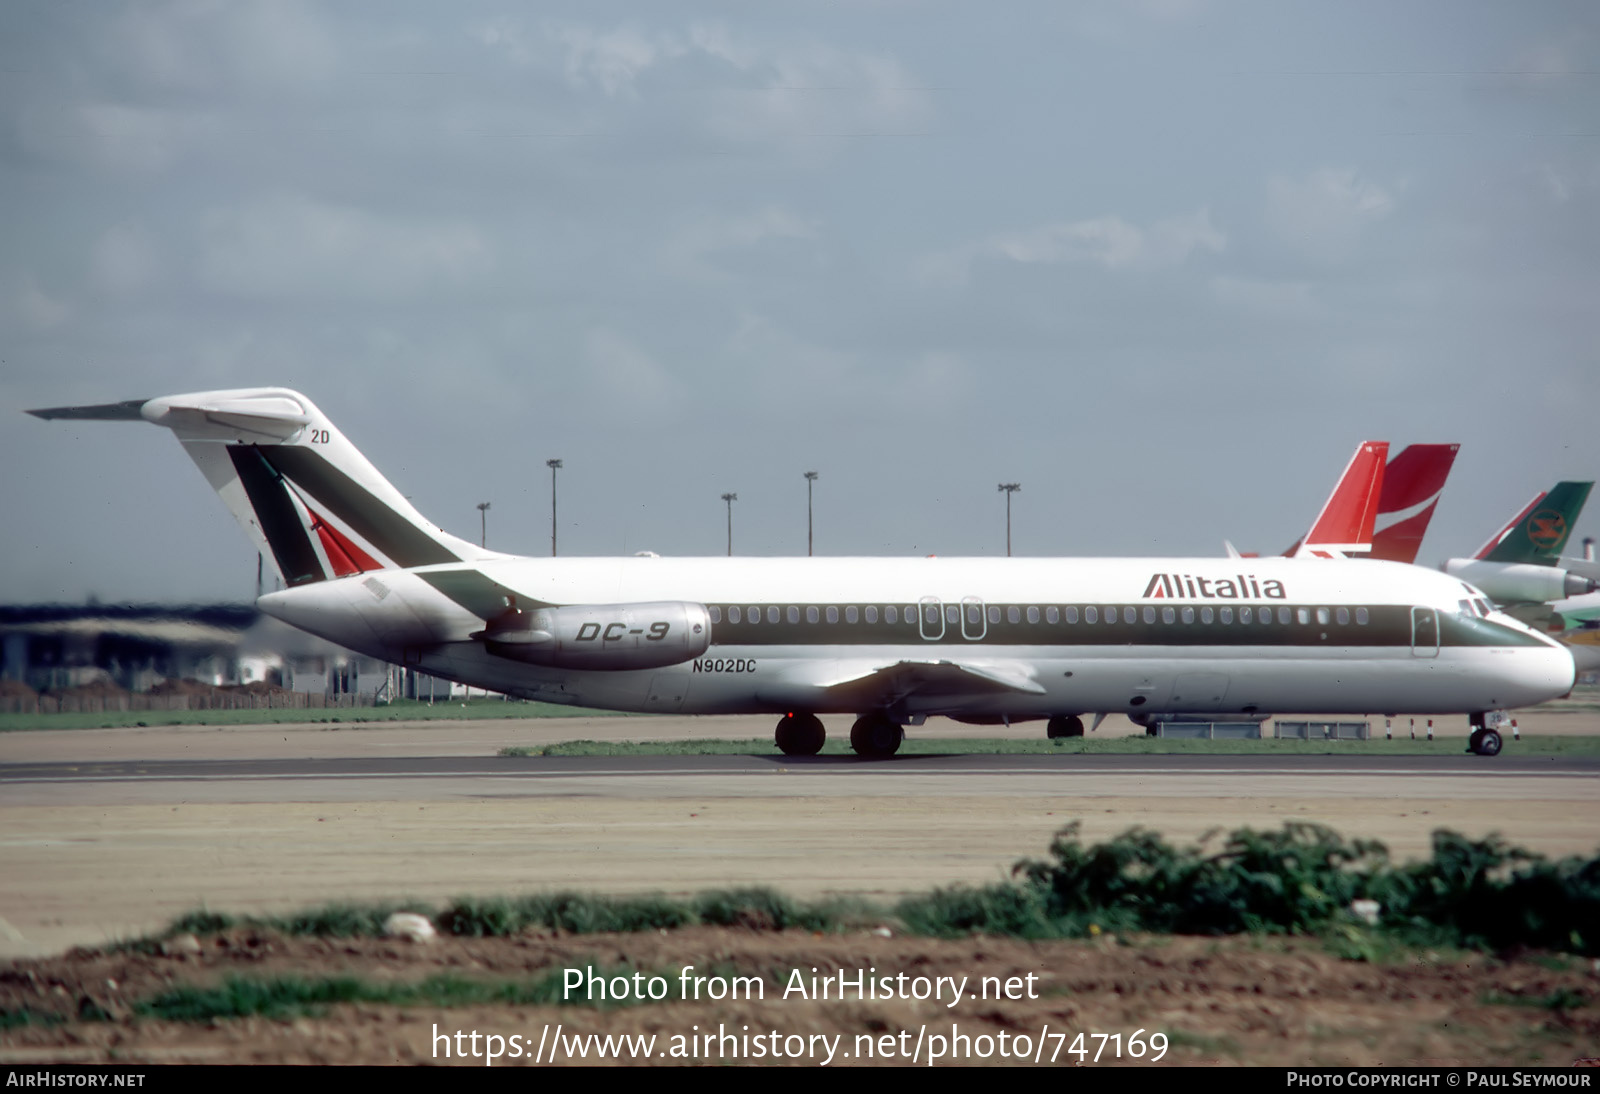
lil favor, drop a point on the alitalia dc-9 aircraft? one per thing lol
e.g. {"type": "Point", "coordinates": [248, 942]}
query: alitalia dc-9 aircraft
{"type": "Point", "coordinates": [893, 641]}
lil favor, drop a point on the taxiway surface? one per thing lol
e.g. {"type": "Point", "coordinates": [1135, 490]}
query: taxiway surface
{"type": "Point", "coordinates": [110, 833]}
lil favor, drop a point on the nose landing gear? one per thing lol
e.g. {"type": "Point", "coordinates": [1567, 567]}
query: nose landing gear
{"type": "Point", "coordinates": [1485, 739]}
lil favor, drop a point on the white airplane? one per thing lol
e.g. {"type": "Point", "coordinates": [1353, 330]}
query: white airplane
{"type": "Point", "coordinates": [892, 640]}
{"type": "Point", "coordinates": [1521, 567]}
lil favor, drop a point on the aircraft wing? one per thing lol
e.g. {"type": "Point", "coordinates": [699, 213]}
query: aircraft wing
{"type": "Point", "coordinates": [881, 684]}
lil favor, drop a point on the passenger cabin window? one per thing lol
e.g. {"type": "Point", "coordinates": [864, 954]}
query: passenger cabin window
{"type": "Point", "coordinates": [772, 614]}
{"type": "Point", "coordinates": [871, 612]}
{"type": "Point", "coordinates": [994, 614]}
{"type": "Point", "coordinates": [1091, 614]}
{"type": "Point", "coordinates": [1130, 615]}
{"type": "Point", "coordinates": [733, 614]}
{"type": "Point", "coordinates": [1226, 613]}
{"type": "Point", "coordinates": [1245, 614]}
{"type": "Point", "coordinates": [1072, 613]}
{"type": "Point", "coordinates": [1303, 614]}
{"type": "Point", "coordinates": [1322, 616]}
{"type": "Point", "coordinates": [891, 614]}
{"type": "Point", "coordinates": [1169, 614]}
{"type": "Point", "coordinates": [1205, 615]}
{"type": "Point", "coordinates": [1149, 614]}
{"type": "Point", "coordinates": [1284, 616]}
{"type": "Point", "coordinates": [811, 613]}
{"type": "Point", "coordinates": [716, 613]}
{"type": "Point", "coordinates": [1033, 615]}
{"type": "Point", "coordinates": [1052, 615]}
{"type": "Point", "coordinates": [974, 614]}
{"type": "Point", "coordinates": [1343, 616]}
{"type": "Point", "coordinates": [952, 614]}
{"type": "Point", "coordinates": [1361, 616]}
{"type": "Point", "coordinates": [831, 614]}
{"type": "Point", "coordinates": [793, 614]}
{"type": "Point", "coordinates": [1013, 615]}
{"type": "Point", "coordinates": [1188, 615]}
{"type": "Point", "coordinates": [850, 614]}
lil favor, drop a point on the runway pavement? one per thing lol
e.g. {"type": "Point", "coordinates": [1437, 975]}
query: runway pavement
{"type": "Point", "coordinates": [104, 834]}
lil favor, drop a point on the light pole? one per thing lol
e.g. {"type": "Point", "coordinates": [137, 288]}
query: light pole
{"type": "Point", "coordinates": [554, 466]}
{"type": "Point", "coordinates": [1009, 488]}
{"type": "Point", "coordinates": [730, 499]}
{"type": "Point", "coordinates": [483, 517]}
{"type": "Point", "coordinates": [811, 477]}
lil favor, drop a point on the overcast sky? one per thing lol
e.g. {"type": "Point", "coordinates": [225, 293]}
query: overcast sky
{"type": "Point", "coordinates": [1163, 263]}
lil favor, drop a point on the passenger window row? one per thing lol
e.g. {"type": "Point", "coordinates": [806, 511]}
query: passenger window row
{"type": "Point", "coordinates": [1071, 613]}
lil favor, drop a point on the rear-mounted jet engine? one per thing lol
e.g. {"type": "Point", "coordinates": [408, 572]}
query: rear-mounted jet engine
{"type": "Point", "coordinates": [601, 636]}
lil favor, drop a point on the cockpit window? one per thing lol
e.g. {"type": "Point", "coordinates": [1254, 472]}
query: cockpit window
{"type": "Point", "coordinates": [1483, 607]}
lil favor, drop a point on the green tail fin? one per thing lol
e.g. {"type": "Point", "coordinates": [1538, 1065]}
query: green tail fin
{"type": "Point", "coordinates": [1542, 532]}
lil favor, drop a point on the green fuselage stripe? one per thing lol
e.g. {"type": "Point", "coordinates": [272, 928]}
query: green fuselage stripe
{"type": "Point", "coordinates": [1388, 626]}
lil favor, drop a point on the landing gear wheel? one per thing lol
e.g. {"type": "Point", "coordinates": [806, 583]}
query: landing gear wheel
{"type": "Point", "coordinates": [876, 736]}
{"type": "Point", "coordinates": [1064, 725]}
{"type": "Point", "coordinates": [1486, 742]}
{"type": "Point", "coordinates": [800, 735]}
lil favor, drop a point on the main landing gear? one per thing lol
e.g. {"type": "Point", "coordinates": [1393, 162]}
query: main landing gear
{"type": "Point", "coordinates": [1485, 739]}
{"type": "Point", "coordinates": [800, 735]}
{"type": "Point", "coordinates": [874, 736]}
{"type": "Point", "coordinates": [1064, 725]}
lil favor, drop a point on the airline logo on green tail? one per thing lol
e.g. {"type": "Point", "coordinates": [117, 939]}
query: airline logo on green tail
{"type": "Point", "coordinates": [1194, 587]}
{"type": "Point", "coordinates": [1547, 529]}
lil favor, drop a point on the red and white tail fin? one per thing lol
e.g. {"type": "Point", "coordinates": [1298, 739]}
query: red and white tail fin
{"type": "Point", "coordinates": [1344, 527]}
{"type": "Point", "coordinates": [309, 500]}
{"type": "Point", "coordinates": [1412, 484]}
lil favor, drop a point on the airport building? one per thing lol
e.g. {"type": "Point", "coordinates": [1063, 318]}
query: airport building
{"type": "Point", "coordinates": [95, 657]}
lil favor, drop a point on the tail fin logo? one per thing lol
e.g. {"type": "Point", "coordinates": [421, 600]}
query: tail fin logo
{"type": "Point", "coordinates": [1546, 528]}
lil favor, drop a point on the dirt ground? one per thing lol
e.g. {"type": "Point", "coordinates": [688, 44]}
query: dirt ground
{"type": "Point", "coordinates": [1213, 1001]}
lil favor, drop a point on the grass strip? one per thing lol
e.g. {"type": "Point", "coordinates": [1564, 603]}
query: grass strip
{"type": "Point", "coordinates": [1074, 746]}
{"type": "Point", "coordinates": [293, 996]}
{"type": "Point", "coordinates": [404, 710]}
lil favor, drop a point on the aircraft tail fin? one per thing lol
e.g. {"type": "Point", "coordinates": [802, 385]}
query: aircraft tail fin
{"type": "Point", "coordinates": [1412, 484]}
{"type": "Point", "coordinates": [1538, 533]}
{"type": "Point", "coordinates": [1344, 527]}
{"type": "Point", "coordinates": [307, 497]}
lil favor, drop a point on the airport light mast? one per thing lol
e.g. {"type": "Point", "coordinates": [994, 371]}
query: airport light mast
{"type": "Point", "coordinates": [554, 466]}
{"type": "Point", "coordinates": [811, 477]}
{"type": "Point", "coordinates": [483, 519]}
{"type": "Point", "coordinates": [1009, 488]}
{"type": "Point", "coordinates": [730, 499]}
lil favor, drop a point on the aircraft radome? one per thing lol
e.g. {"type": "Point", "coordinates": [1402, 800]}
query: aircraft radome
{"type": "Point", "coordinates": [892, 640]}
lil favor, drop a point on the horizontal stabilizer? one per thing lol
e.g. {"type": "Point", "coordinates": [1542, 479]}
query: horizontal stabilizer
{"type": "Point", "coordinates": [104, 412]}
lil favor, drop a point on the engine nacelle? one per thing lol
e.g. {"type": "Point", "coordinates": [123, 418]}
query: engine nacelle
{"type": "Point", "coordinates": [601, 636]}
{"type": "Point", "coordinates": [1518, 582]}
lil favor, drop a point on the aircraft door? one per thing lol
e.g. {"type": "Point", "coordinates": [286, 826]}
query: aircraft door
{"type": "Point", "coordinates": [930, 617]}
{"type": "Point", "coordinates": [1424, 632]}
{"type": "Point", "coordinates": [974, 623]}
